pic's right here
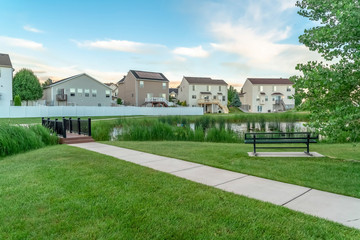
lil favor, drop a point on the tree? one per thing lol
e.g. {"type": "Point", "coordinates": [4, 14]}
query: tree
{"type": "Point", "coordinates": [233, 97]}
{"type": "Point", "coordinates": [332, 89]}
{"type": "Point", "coordinates": [236, 100]}
{"type": "Point", "coordinates": [231, 93]}
{"type": "Point", "coordinates": [119, 101]}
{"type": "Point", "coordinates": [47, 82]}
{"type": "Point", "coordinates": [27, 85]}
{"type": "Point", "coordinates": [17, 100]}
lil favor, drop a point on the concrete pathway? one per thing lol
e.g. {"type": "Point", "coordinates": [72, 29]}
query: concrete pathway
{"type": "Point", "coordinates": [334, 207]}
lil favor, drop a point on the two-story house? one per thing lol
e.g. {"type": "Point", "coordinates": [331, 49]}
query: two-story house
{"type": "Point", "coordinates": [78, 90]}
{"type": "Point", "coordinates": [267, 95]}
{"type": "Point", "coordinates": [6, 78]}
{"type": "Point", "coordinates": [205, 92]}
{"type": "Point", "coordinates": [141, 88]}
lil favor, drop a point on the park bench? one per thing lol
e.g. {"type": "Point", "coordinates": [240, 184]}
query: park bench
{"type": "Point", "coordinates": [281, 138]}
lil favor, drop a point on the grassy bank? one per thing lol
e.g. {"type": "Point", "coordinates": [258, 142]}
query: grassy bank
{"type": "Point", "coordinates": [61, 192]}
{"type": "Point", "coordinates": [17, 139]}
{"type": "Point", "coordinates": [338, 173]}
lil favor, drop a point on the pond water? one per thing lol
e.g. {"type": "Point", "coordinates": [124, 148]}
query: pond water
{"type": "Point", "coordinates": [242, 128]}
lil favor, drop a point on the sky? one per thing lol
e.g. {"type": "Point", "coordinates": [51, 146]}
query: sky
{"type": "Point", "coordinates": [222, 39]}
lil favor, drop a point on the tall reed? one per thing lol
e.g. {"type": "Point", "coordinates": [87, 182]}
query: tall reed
{"type": "Point", "coordinates": [17, 139]}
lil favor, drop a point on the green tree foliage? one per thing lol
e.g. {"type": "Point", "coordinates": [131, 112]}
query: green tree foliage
{"type": "Point", "coordinates": [236, 100]}
{"type": "Point", "coordinates": [47, 82]}
{"type": "Point", "coordinates": [233, 97]}
{"type": "Point", "coordinates": [27, 85]}
{"type": "Point", "coordinates": [332, 90]}
{"type": "Point", "coordinates": [231, 93]}
{"type": "Point", "coordinates": [17, 100]}
{"type": "Point", "coordinates": [119, 101]}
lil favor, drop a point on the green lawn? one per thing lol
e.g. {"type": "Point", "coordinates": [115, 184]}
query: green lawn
{"type": "Point", "coordinates": [338, 173]}
{"type": "Point", "coordinates": [63, 192]}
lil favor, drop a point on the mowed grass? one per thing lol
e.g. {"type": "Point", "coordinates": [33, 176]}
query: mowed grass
{"type": "Point", "coordinates": [63, 192]}
{"type": "Point", "coordinates": [338, 173]}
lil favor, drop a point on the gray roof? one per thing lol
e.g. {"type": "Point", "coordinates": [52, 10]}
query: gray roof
{"type": "Point", "coordinates": [5, 60]}
{"type": "Point", "coordinates": [204, 80]}
{"type": "Point", "coordinates": [73, 77]}
{"type": "Point", "coordinates": [122, 80]}
{"type": "Point", "coordinates": [175, 90]}
{"type": "Point", "coordinates": [149, 75]}
{"type": "Point", "coordinates": [270, 81]}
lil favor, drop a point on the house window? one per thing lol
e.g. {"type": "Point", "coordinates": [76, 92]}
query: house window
{"type": "Point", "coordinates": [266, 98]}
{"type": "Point", "coordinates": [214, 97]}
{"type": "Point", "coordinates": [208, 88]}
{"type": "Point", "coordinates": [149, 95]}
{"type": "Point", "coordinates": [193, 87]}
{"type": "Point", "coordinates": [94, 92]}
{"type": "Point", "coordinates": [288, 89]}
{"type": "Point", "coordinates": [193, 96]}
{"type": "Point", "coordinates": [274, 88]}
{"type": "Point", "coordinates": [273, 99]}
{"type": "Point", "coordinates": [107, 93]}
{"type": "Point", "coordinates": [163, 95]}
{"type": "Point", "coordinates": [259, 108]}
{"type": "Point", "coordinates": [79, 91]}
{"type": "Point", "coordinates": [223, 98]}
{"type": "Point", "coordinates": [72, 92]}
{"type": "Point", "coordinates": [261, 88]}
{"type": "Point", "coordinates": [164, 85]}
{"type": "Point", "coordinates": [87, 92]}
{"type": "Point", "coordinates": [141, 84]}
{"type": "Point", "coordinates": [219, 88]}
{"type": "Point", "coordinates": [257, 98]}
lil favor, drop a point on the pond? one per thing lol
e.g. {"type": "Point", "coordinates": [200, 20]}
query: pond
{"type": "Point", "coordinates": [241, 128]}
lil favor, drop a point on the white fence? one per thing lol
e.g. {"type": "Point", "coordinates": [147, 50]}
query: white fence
{"type": "Point", "coordinates": [82, 111]}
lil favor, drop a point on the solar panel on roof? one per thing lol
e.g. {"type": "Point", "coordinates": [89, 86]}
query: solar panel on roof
{"type": "Point", "coordinates": [149, 75]}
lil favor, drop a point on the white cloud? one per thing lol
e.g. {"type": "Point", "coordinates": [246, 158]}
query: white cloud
{"type": "Point", "coordinates": [18, 42]}
{"type": "Point", "coordinates": [261, 50]}
{"type": "Point", "coordinates": [120, 45]}
{"type": "Point", "coordinates": [197, 52]}
{"type": "Point", "coordinates": [32, 29]}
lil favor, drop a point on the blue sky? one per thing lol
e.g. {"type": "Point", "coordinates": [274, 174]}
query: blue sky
{"type": "Point", "coordinates": [228, 39]}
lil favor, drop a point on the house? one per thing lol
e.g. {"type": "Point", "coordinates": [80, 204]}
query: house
{"type": "Point", "coordinates": [78, 90]}
{"type": "Point", "coordinates": [267, 95]}
{"type": "Point", "coordinates": [114, 90]}
{"type": "Point", "coordinates": [6, 78]}
{"type": "Point", "coordinates": [173, 94]}
{"type": "Point", "coordinates": [140, 88]}
{"type": "Point", "coordinates": [205, 92]}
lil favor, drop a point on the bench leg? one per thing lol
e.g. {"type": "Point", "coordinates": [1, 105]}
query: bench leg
{"type": "Point", "coordinates": [307, 153]}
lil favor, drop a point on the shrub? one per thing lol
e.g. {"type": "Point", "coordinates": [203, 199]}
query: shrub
{"type": "Point", "coordinates": [17, 100]}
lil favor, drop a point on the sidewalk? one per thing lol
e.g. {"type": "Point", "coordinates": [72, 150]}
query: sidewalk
{"type": "Point", "coordinates": [338, 208]}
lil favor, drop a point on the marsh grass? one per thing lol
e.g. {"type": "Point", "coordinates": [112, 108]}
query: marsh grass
{"type": "Point", "coordinates": [17, 139]}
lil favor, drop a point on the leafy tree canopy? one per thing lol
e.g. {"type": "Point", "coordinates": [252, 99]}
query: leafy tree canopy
{"type": "Point", "coordinates": [332, 90]}
{"type": "Point", "coordinates": [47, 82]}
{"type": "Point", "coordinates": [27, 85]}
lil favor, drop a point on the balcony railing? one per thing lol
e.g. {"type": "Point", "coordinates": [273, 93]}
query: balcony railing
{"type": "Point", "coordinates": [159, 100]}
{"type": "Point", "coordinates": [208, 101]}
{"type": "Point", "coordinates": [61, 97]}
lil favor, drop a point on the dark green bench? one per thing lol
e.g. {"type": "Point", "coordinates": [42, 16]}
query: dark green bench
{"type": "Point", "coordinates": [281, 138]}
